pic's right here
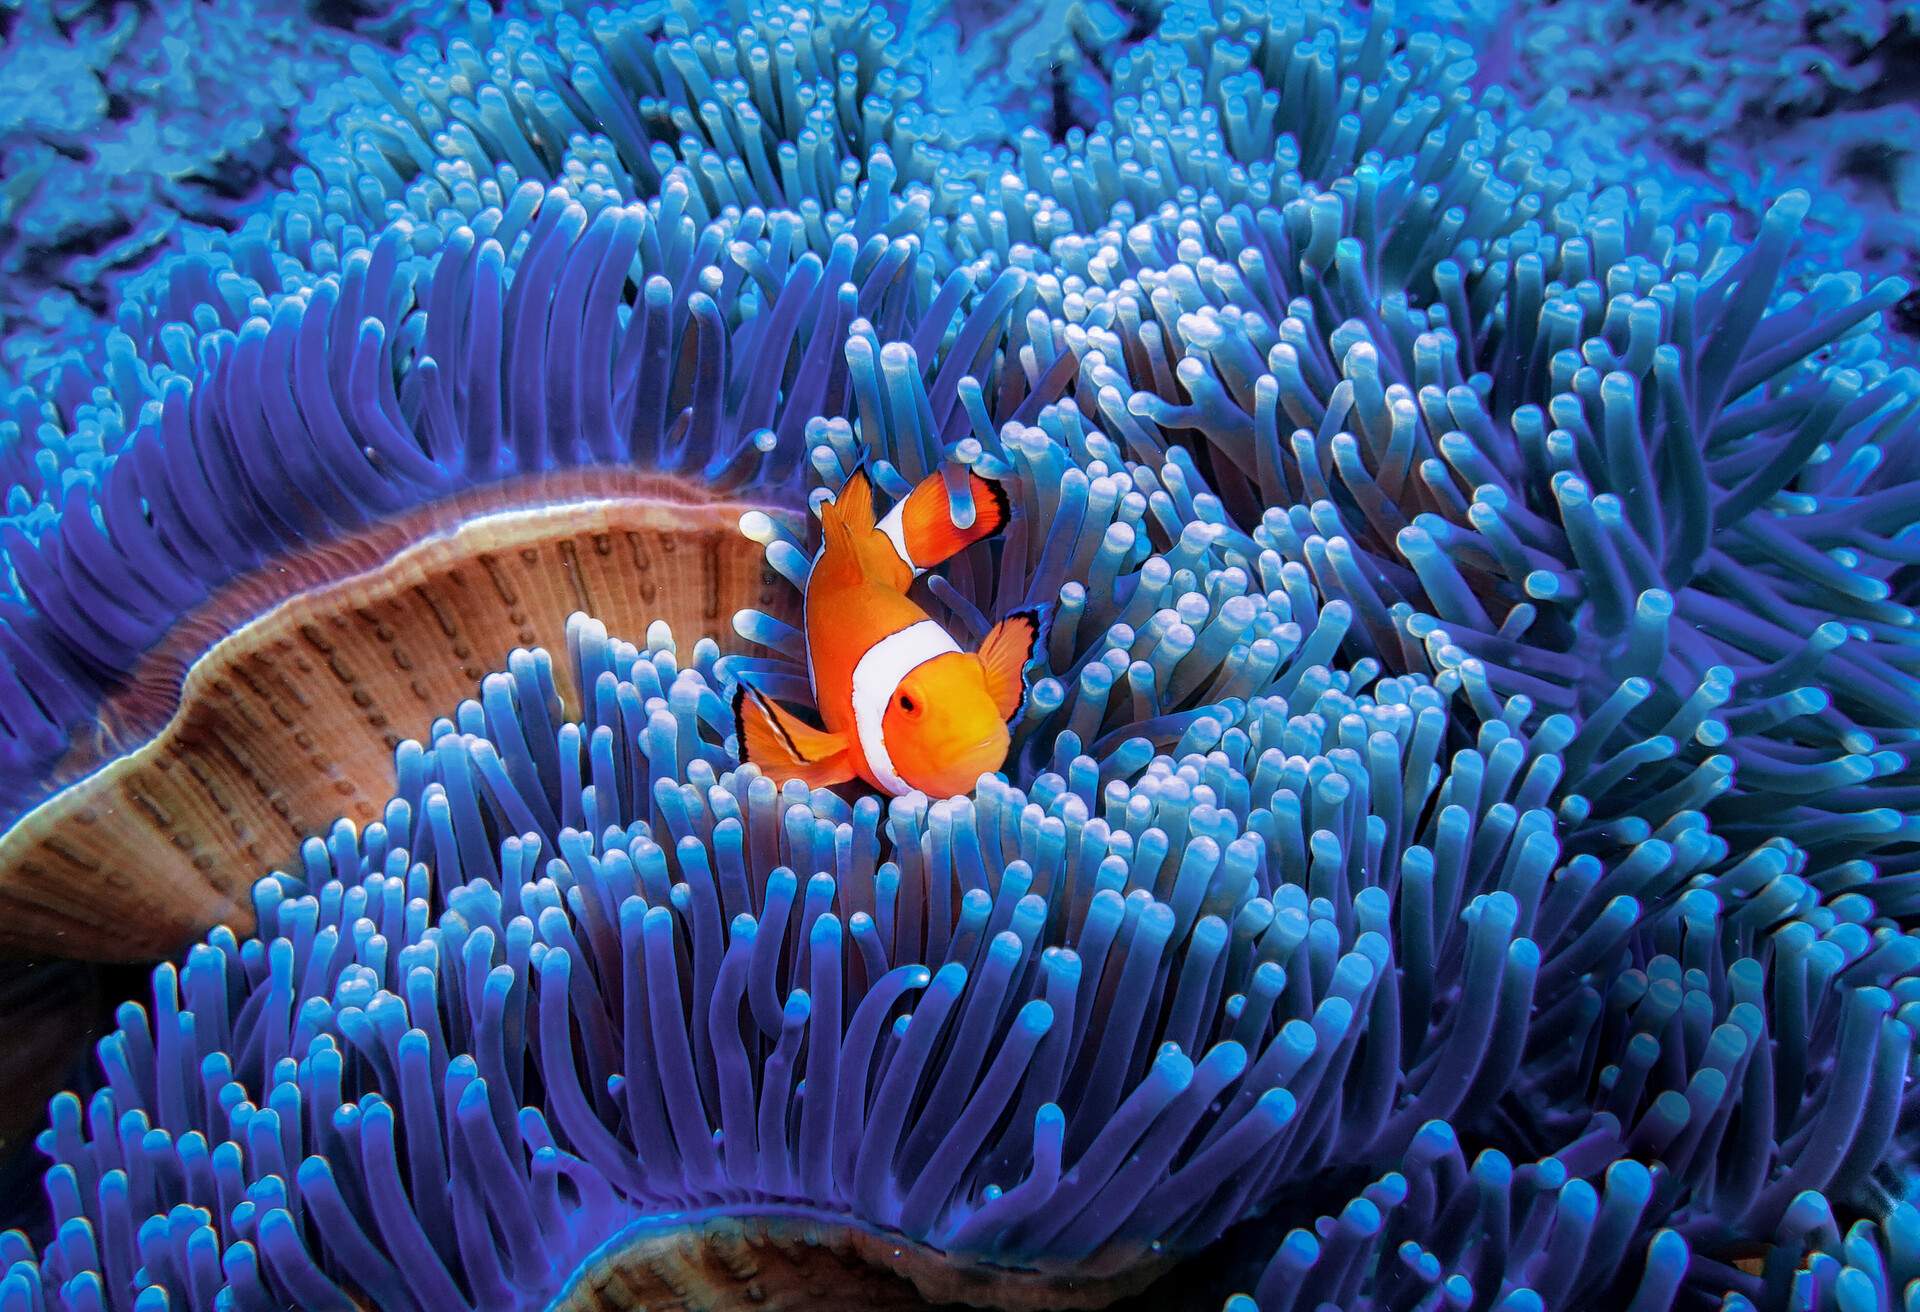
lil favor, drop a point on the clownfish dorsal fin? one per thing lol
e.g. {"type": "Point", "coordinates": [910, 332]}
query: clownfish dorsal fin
{"type": "Point", "coordinates": [855, 503]}
{"type": "Point", "coordinates": [845, 522]}
{"type": "Point", "coordinates": [786, 747]}
{"type": "Point", "coordinates": [1004, 654]}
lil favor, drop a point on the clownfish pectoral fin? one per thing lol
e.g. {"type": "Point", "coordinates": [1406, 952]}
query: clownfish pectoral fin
{"type": "Point", "coordinates": [784, 746]}
{"type": "Point", "coordinates": [921, 527]}
{"type": "Point", "coordinates": [1009, 645]}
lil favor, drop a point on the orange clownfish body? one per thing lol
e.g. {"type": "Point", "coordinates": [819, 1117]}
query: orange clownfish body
{"type": "Point", "coordinates": [903, 706]}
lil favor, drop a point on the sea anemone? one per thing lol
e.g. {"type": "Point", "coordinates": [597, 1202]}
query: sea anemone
{"type": "Point", "coordinates": [1733, 107]}
{"type": "Point", "coordinates": [1528, 435]}
{"type": "Point", "coordinates": [1407, 799]}
{"type": "Point", "coordinates": [1441, 1233]}
{"type": "Point", "coordinates": [1470, 347]}
{"type": "Point", "coordinates": [346, 430]}
{"type": "Point", "coordinates": [1279, 927]}
{"type": "Point", "coordinates": [1046, 1042]}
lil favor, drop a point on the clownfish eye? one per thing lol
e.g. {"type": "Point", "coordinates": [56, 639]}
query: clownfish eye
{"type": "Point", "coordinates": [907, 704]}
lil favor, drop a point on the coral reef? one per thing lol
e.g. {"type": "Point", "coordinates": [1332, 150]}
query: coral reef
{"type": "Point", "coordinates": [1470, 773]}
{"type": "Point", "coordinates": [126, 127]}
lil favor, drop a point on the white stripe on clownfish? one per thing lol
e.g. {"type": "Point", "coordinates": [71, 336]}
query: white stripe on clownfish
{"type": "Point", "coordinates": [877, 677]}
{"type": "Point", "coordinates": [894, 525]}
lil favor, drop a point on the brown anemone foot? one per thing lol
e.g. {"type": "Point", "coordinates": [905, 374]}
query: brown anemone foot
{"type": "Point", "coordinates": [275, 708]}
{"type": "Point", "coordinates": [800, 1263]}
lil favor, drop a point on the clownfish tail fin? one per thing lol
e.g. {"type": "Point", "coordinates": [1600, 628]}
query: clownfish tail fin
{"type": "Point", "coordinates": [784, 746]}
{"type": "Point", "coordinates": [1004, 655]}
{"type": "Point", "coordinates": [922, 527]}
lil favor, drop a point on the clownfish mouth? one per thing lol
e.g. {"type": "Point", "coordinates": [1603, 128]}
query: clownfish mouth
{"type": "Point", "coordinates": [951, 772]}
{"type": "Point", "coordinates": [996, 742]}
{"type": "Point", "coordinates": [981, 757]}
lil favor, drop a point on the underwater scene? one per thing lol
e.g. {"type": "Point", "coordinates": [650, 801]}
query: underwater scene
{"type": "Point", "coordinates": [1208, 655]}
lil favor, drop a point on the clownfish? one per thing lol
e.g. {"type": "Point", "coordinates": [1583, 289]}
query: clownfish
{"type": "Point", "coordinates": [903, 705]}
